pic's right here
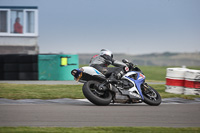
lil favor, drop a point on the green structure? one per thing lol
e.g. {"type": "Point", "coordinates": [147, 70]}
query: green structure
{"type": "Point", "coordinates": [57, 67]}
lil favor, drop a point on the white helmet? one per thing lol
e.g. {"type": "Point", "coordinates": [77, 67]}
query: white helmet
{"type": "Point", "coordinates": [106, 52]}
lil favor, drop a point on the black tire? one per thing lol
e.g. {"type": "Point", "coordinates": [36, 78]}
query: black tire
{"type": "Point", "coordinates": [94, 98]}
{"type": "Point", "coordinates": [152, 101]}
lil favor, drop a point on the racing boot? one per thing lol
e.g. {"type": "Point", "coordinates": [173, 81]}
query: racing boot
{"type": "Point", "coordinates": [112, 79]}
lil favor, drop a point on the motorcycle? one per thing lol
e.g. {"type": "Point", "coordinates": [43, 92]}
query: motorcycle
{"type": "Point", "coordinates": [131, 88]}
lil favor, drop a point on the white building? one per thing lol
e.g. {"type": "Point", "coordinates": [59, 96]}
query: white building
{"type": "Point", "coordinates": [19, 30]}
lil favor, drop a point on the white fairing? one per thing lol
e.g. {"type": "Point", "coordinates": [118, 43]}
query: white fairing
{"type": "Point", "coordinates": [92, 71]}
{"type": "Point", "coordinates": [133, 89]}
{"type": "Point", "coordinates": [128, 74]}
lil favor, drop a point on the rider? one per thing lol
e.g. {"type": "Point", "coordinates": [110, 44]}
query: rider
{"type": "Point", "coordinates": [104, 59]}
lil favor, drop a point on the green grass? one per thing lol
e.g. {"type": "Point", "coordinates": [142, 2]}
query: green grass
{"type": "Point", "coordinates": [154, 73]}
{"type": "Point", "coordinates": [157, 73]}
{"type": "Point", "coordinates": [98, 130]}
{"type": "Point", "coordinates": [25, 91]}
{"type": "Point", "coordinates": [21, 91]}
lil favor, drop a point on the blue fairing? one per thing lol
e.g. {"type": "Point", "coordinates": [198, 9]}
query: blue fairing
{"type": "Point", "coordinates": [140, 80]}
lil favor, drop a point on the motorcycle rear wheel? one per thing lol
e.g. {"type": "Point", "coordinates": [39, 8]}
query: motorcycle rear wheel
{"type": "Point", "coordinates": [94, 96]}
{"type": "Point", "coordinates": [152, 98]}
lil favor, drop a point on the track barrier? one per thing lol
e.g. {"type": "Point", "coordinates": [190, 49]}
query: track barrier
{"type": "Point", "coordinates": [183, 81]}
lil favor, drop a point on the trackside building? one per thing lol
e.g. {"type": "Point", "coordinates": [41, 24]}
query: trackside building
{"type": "Point", "coordinates": [19, 30]}
{"type": "Point", "coordinates": [19, 50]}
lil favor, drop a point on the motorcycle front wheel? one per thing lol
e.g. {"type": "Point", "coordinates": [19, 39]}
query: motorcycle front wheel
{"type": "Point", "coordinates": [101, 98]}
{"type": "Point", "coordinates": [151, 96]}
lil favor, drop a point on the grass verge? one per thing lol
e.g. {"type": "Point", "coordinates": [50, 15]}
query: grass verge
{"type": "Point", "coordinates": [98, 130]}
{"type": "Point", "coordinates": [21, 91]}
{"type": "Point", "coordinates": [26, 91]}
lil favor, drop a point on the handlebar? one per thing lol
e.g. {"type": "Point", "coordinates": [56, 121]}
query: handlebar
{"type": "Point", "coordinates": [129, 64]}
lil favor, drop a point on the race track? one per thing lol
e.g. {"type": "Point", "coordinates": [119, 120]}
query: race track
{"type": "Point", "coordinates": [84, 114]}
{"type": "Point", "coordinates": [174, 112]}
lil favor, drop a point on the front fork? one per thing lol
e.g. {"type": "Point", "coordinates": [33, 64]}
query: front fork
{"type": "Point", "coordinates": [145, 88]}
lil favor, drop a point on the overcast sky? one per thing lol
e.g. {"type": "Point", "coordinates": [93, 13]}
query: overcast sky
{"type": "Point", "coordinates": [123, 26]}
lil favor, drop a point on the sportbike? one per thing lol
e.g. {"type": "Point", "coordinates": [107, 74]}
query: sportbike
{"type": "Point", "coordinates": [131, 88]}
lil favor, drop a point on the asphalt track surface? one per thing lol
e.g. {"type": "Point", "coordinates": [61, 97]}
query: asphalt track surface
{"type": "Point", "coordinates": [81, 113]}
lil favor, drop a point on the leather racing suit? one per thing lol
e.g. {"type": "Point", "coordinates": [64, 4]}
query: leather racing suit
{"type": "Point", "coordinates": [100, 62]}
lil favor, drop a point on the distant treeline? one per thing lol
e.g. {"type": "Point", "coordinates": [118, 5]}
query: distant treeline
{"type": "Point", "coordinates": [154, 59]}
